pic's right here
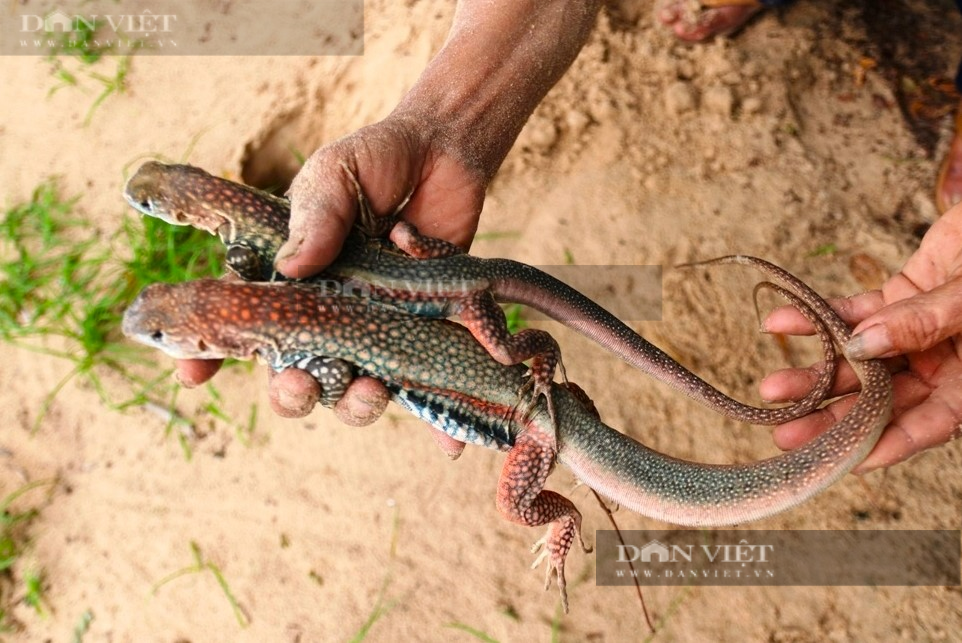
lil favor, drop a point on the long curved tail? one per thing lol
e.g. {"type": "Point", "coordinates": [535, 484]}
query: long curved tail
{"type": "Point", "coordinates": [686, 493]}
{"type": "Point", "coordinates": [529, 286]}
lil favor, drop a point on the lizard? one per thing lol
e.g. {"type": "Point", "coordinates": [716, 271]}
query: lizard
{"type": "Point", "coordinates": [433, 278]}
{"type": "Point", "coordinates": [436, 370]}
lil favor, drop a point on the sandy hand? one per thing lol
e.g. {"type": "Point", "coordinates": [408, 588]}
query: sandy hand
{"type": "Point", "coordinates": [391, 161]}
{"type": "Point", "coordinates": [916, 320]}
{"type": "Point", "coordinates": [442, 145]}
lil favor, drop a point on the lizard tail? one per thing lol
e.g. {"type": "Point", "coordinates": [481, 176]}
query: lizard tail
{"type": "Point", "coordinates": [693, 494]}
{"type": "Point", "coordinates": [687, 493]}
{"type": "Point", "coordinates": [518, 282]}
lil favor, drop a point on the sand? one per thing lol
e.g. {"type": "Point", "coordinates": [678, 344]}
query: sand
{"type": "Point", "coordinates": [646, 152]}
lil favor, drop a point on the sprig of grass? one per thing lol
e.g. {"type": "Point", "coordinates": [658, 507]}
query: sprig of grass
{"type": "Point", "coordinates": [201, 565]}
{"type": "Point", "coordinates": [493, 236]}
{"type": "Point", "coordinates": [382, 606]}
{"type": "Point", "coordinates": [824, 250]}
{"type": "Point", "coordinates": [75, 54]}
{"type": "Point", "coordinates": [514, 317]}
{"type": "Point", "coordinates": [63, 290]}
{"type": "Point", "coordinates": [82, 626]}
{"type": "Point", "coordinates": [14, 542]}
{"type": "Point", "coordinates": [243, 432]}
{"type": "Point", "coordinates": [33, 596]}
{"type": "Point", "coordinates": [476, 633]}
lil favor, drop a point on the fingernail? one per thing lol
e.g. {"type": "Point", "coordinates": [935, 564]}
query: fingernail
{"type": "Point", "coordinates": [294, 402]}
{"type": "Point", "coordinates": [286, 251]}
{"type": "Point", "coordinates": [186, 383]}
{"type": "Point", "coordinates": [871, 343]}
{"type": "Point", "coordinates": [362, 406]}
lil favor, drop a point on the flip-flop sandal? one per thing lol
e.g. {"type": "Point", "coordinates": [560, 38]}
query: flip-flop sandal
{"type": "Point", "coordinates": [943, 200]}
{"type": "Point", "coordinates": [756, 5]}
{"type": "Point", "coordinates": [730, 3]}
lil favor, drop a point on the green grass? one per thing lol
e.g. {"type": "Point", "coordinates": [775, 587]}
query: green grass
{"type": "Point", "coordinates": [476, 633]}
{"type": "Point", "coordinates": [244, 432]}
{"type": "Point", "coordinates": [64, 287]}
{"type": "Point", "coordinates": [14, 543]}
{"type": "Point", "coordinates": [825, 250]}
{"type": "Point", "coordinates": [492, 236]}
{"type": "Point", "coordinates": [77, 57]}
{"type": "Point", "coordinates": [514, 318]}
{"type": "Point", "coordinates": [383, 605]}
{"type": "Point", "coordinates": [33, 594]}
{"type": "Point", "coordinates": [201, 565]}
{"type": "Point", "coordinates": [83, 624]}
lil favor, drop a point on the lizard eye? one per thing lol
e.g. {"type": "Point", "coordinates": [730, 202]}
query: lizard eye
{"type": "Point", "coordinates": [147, 205]}
{"type": "Point", "coordinates": [157, 336]}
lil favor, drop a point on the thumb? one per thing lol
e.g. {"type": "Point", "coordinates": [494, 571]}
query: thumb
{"type": "Point", "coordinates": [323, 207]}
{"type": "Point", "coordinates": [910, 325]}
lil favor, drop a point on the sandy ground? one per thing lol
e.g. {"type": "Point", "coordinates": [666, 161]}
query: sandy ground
{"type": "Point", "coordinates": [646, 152]}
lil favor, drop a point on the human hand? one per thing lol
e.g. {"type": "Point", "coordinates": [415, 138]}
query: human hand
{"type": "Point", "coordinates": [442, 145]}
{"type": "Point", "coordinates": [391, 161]}
{"type": "Point", "coordinates": [915, 322]}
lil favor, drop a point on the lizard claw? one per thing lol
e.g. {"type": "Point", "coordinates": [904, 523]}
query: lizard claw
{"type": "Point", "coordinates": [551, 566]}
{"type": "Point", "coordinates": [553, 548]}
{"type": "Point", "coordinates": [538, 388]}
{"type": "Point", "coordinates": [368, 222]}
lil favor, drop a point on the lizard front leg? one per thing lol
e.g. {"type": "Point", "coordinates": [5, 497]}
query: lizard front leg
{"type": "Point", "coordinates": [332, 374]}
{"type": "Point", "coordinates": [522, 499]}
{"type": "Point", "coordinates": [482, 316]}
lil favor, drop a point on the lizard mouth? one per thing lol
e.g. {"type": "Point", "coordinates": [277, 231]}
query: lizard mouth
{"type": "Point", "coordinates": [143, 205]}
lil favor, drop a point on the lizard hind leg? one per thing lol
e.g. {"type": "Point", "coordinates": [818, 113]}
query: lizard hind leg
{"type": "Point", "coordinates": [406, 237]}
{"type": "Point", "coordinates": [368, 222]}
{"type": "Point", "coordinates": [482, 316]}
{"type": "Point", "coordinates": [523, 499]}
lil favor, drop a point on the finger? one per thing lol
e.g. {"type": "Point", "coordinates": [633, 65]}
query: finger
{"type": "Point", "coordinates": [452, 447]}
{"type": "Point", "coordinates": [194, 372]}
{"type": "Point", "coordinates": [670, 11]}
{"type": "Point", "coordinates": [931, 423]}
{"type": "Point", "coordinates": [454, 191]}
{"type": "Point", "coordinates": [363, 402]}
{"type": "Point", "coordinates": [794, 434]}
{"type": "Point", "coordinates": [852, 310]}
{"type": "Point", "coordinates": [717, 21]}
{"type": "Point", "coordinates": [323, 208]}
{"type": "Point", "coordinates": [293, 392]}
{"type": "Point", "coordinates": [907, 390]}
{"type": "Point", "coordinates": [910, 325]}
{"type": "Point", "coordinates": [385, 158]}
{"type": "Point", "coordinates": [792, 384]}
{"type": "Point", "coordinates": [938, 256]}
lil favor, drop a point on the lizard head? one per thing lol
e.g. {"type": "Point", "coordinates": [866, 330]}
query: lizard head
{"type": "Point", "coordinates": [251, 223]}
{"type": "Point", "coordinates": [192, 320]}
{"type": "Point", "coordinates": [170, 193]}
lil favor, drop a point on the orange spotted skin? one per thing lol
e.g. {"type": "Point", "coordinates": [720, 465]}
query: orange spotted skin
{"type": "Point", "coordinates": [433, 278]}
{"type": "Point", "coordinates": [283, 322]}
{"type": "Point", "coordinates": [437, 371]}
